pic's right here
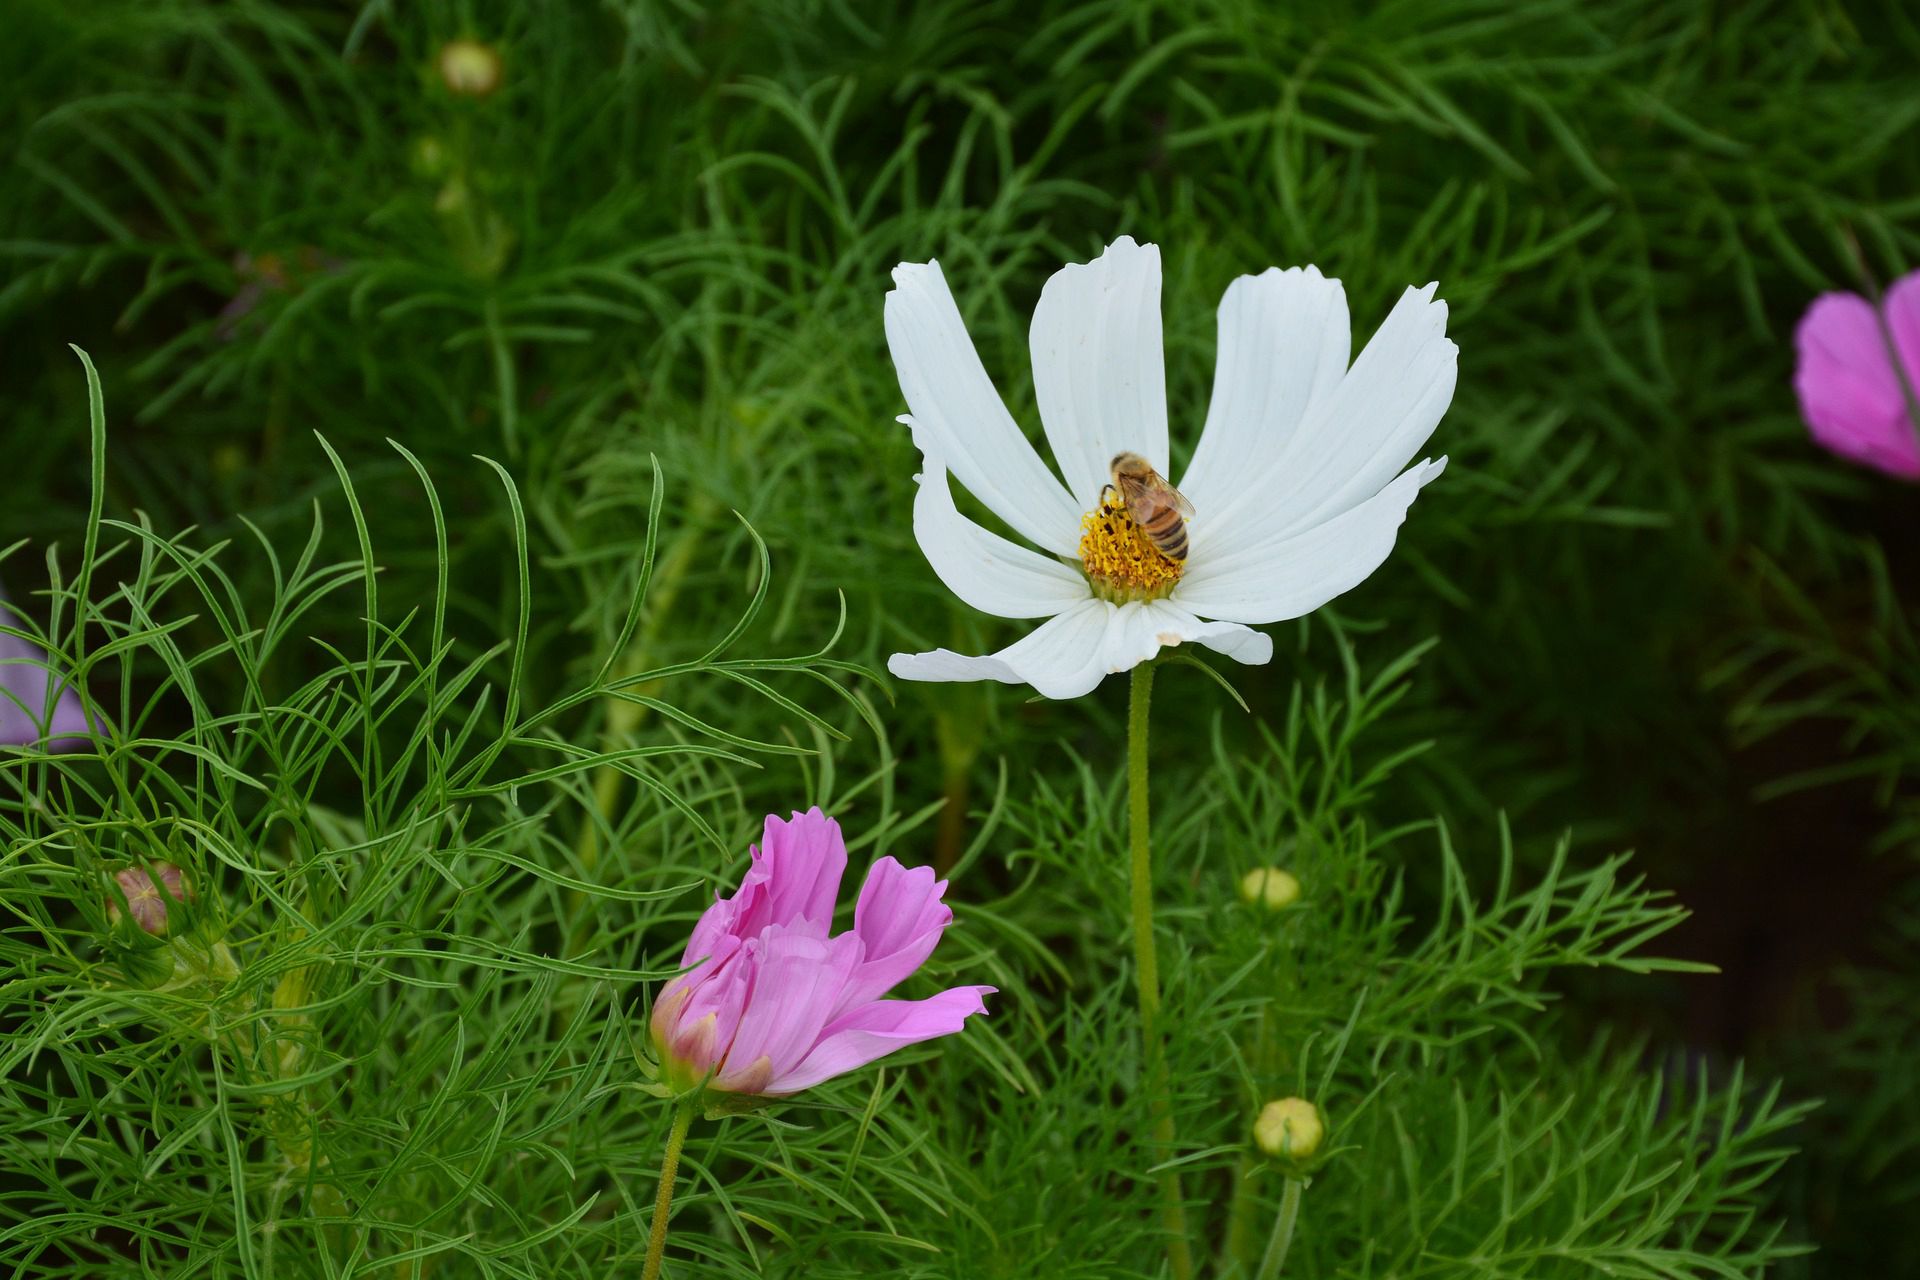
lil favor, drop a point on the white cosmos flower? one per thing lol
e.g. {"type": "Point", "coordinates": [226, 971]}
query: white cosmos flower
{"type": "Point", "coordinates": [1297, 482]}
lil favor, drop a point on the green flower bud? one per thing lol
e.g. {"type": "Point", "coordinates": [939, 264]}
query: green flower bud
{"type": "Point", "coordinates": [469, 68]}
{"type": "Point", "coordinates": [430, 156]}
{"type": "Point", "coordinates": [1289, 1129]}
{"type": "Point", "coordinates": [147, 891]}
{"type": "Point", "coordinates": [1269, 887]}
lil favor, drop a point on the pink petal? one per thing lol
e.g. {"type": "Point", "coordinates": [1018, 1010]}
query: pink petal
{"type": "Point", "coordinates": [715, 986]}
{"type": "Point", "coordinates": [899, 918]}
{"type": "Point", "coordinates": [1849, 394]}
{"type": "Point", "coordinates": [875, 1030]}
{"type": "Point", "coordinates": [720, 993]}
{"type": "Point", "coordinates": [1901, 307]}
{"type": "Point", "coordinates": [714, 926]}
{"type": "Point", "coordinates": [797, 982]}
{"type": "Point", "coordinates": [794, 879]}
{"type": "Point", "coordinates": [664, 1023]}
{"type": "Point", "coordinates": [805, 858]}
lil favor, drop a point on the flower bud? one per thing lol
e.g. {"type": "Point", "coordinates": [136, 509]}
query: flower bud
{"type": "Point", "coordinates": [146, 902]}
{"type": "Point", "coordinates": [1290, 1129]}
{"type": "Point", "coordinates": [1269, 887]}
{"type": "Point", "coordinates": [430, 156]}
{"type": "Point", "coordinates": [469, 68]}
{"type": "Point", "coordinates": [689, 1048]}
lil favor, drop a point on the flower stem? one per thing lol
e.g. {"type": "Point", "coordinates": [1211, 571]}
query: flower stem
{"type": "Point", "coordinates": [669, 1167]}
{"type": "Point", "coordinates": [1282, 1238]}
{"type": "Point", "coordinates": [1146, 968]}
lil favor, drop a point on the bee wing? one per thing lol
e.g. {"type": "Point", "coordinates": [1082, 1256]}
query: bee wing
{"type": "Point", "coordinates": [1150, 492]}
{"type": "Point", "coordinates": [1179, 501]}
{"type": "Point", "coordinates": [1169, 496]}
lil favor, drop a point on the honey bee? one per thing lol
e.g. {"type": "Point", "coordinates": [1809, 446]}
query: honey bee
{"type": "Point", "coordinates": [1156, 506]}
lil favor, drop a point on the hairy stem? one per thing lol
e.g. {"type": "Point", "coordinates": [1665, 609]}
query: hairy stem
{"type": "Point", "coordinates": [1146, 968]}
{"type": "Point", "coordinates": [663, 1201]}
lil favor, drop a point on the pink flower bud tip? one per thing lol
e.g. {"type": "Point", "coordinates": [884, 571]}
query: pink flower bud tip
{"type": "Point", "coordinates": [144, 900]}
{"type": "Point", "coordinates": [772, 1002]}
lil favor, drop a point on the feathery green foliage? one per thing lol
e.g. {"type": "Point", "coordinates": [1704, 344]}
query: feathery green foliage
{"type": "Point", "coordinates": [453, 753]}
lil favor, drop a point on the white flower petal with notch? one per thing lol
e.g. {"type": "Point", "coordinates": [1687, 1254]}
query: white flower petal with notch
{"type": "Point", "coordinates": [1069, 655]}
{"type": "Point", "coordinates": [954, 403]}
{"type": "Point", "coordinates": [1099, 376]}
{"type": "Point", "coordinates": [1282, 350]}
{"type": "Point", "coordinates": [1293, 577]}
{"type": "Point", "coordinates": [982, 568]}
{"type": "Point", "coordinates": [1358, 436]}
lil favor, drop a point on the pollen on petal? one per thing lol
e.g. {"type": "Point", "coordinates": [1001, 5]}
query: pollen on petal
{"type": "Point", "coordinates": [1119, 559]}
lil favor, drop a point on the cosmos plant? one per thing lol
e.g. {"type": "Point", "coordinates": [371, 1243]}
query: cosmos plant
{"type": "Point", "coordinates": [772, 1002]}
{"type": "Point", "coordinates": [1296, 490]}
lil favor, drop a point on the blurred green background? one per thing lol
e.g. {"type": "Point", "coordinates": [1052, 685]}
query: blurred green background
{"type": "Point", "coordinates": [1666, 622]}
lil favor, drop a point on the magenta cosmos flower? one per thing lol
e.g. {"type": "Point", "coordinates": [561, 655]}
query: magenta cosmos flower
{"type": "Point", "coordinates": [772, 1003]}
{"type": "Point", "coordinates": [1855, 399]}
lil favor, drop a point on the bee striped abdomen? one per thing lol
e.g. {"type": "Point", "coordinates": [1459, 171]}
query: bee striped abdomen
{"type": "Point", "coordinates": [1168, 531]}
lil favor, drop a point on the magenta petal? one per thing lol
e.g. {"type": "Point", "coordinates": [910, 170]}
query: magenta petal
{"type": "Point", "coordinates": [1849, 394]}
{"type": "Point", "coordinates": [797, 982]}
{"type": "Point", "coordinates": [900, 919]}
{"type": "Point", "coordinates": [875, 1030]}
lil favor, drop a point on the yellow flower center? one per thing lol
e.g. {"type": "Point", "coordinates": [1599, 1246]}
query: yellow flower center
{"type": "Point", "coordinates": [1119, 559]}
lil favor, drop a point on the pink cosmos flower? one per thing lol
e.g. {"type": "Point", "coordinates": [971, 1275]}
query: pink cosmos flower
{"type": "Point", "coordinates": [1851, 394]}
{"type": "Point", "coordinates": [772, 1004]}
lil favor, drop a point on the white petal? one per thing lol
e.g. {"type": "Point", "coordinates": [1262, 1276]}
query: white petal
{"type": "Point", "coordinates": [1283, 343]}
{"type": "Point", "coordinates": [1354, 441]}
{"type": "Point", "coordinates": [1063, 658]}
{"type": "Point", "coordinates": [1098, 371]}
{"type": "Point", "coordinates": [1271, 583]}
{"type": "Point", "coordinates": [985, 570]}
{"type": "Point", "coordinates": [1071, 654]}
{"type": "Point", "coordinates": [1139, 631]}
{"type": "Point", "coordinates": [959, 416]}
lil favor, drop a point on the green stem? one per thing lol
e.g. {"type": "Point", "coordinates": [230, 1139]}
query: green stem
{"type": "Point", "coordinates": [1237, 1243]}
{"type": "Point", "coordinates": [1282, 1238]}
{"type": "Point", "coordinates": [951, 834]}
{"type": "Point", "coordinates": [1146, 967]}
{"type": "Point", "coordinates": [669, 1167]}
